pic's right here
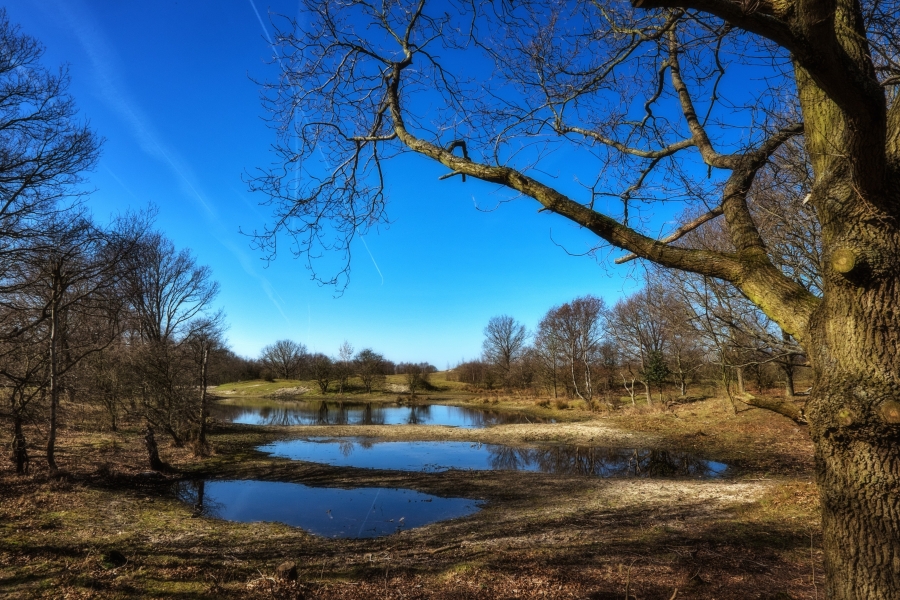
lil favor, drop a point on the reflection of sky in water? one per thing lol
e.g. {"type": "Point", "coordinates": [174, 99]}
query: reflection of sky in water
{"type": "Point", "coordinates": [440, 456]}
{"type": "Point", "coordinates": [320, 413]}
{"type": "Point", "coordinates": [329, 512]}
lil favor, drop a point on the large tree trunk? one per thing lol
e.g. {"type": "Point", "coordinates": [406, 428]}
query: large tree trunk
{"type": "Point", "coordinates": [854, 412]}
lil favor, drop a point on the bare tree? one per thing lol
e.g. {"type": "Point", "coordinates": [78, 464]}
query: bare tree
{"type": "Point", "coordinates": [595, 78]}
{"type": "Point", "coordinates": [637, 326]}
{"type": "Point", "coordinates": [578, 329]}
{"type": "Point", "coordinates": [416, 377]}
{"type": "Point", "coordinates": [322, 368]}
{"type": "Point", "coordinates": [44, 149]}
{"type": "Point", "coordinates": [167, 293]}
{"type": "Point", "coordinates": [205, 337]}
{"type": "Point", "coordinates": [74, 276]}
{"type": "Point", "coordinates": [343, 366]}
{"type": "Point", "coordinates": [370, 367]}
{"type": "Point", "coordinates": [549, 348]}
{"type": "Point", "coordinates": [23, 366]}
{"type": "Point", "coordinates": [504, 342]}
{"type": "Point", "coordinates": [167, 289]}
{"type": "Point", "coordinates": [473, 372]}
{"type": "Point", "coordinates": [285, 358]}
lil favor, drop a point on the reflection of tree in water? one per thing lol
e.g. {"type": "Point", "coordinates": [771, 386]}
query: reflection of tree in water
{"type": "Point", "coordinates": [279, 416]}
{"type": "Point", "coordinates": [346, 447]}
{"type": "Point", "coordinates": [486, 418]}
{"type": "Point", "coordinates": [599, 461]}
{"type": "Point", "coordinates": [662, 463]}
{"type": "Point", "coordinates": [371, 415]}
{"type": "Point", "coordinates": [508, 458]}
{"type": "Point", "coordinates": [194, 493]}
{"type": "Point", "coordinates": [367, 414]}
{"type": "Point", "coordinates": [322, 416]}
{"type": "Point", "coordinates": [342, 415]}
{"type": "Point", "coordinates": [418, 414]}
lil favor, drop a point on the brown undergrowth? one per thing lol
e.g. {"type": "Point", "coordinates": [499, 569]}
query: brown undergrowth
{"type": "Point", "coordinates": [107, 529]}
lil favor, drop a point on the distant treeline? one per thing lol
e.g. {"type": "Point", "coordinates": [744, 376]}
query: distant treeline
{"type": "Point", "coordinates": [287, 359]}
{"type": "Point", "coordinates": [676, 331]}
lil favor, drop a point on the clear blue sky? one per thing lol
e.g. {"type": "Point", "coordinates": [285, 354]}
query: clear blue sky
{"type": "Point", "coordinates": [168, 85]}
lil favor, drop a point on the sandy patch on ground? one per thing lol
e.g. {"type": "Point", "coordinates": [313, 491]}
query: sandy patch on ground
{"type": "Point", "coordinates": [290, 391]}
{"type": "Point", "coordinates": [590, 433]}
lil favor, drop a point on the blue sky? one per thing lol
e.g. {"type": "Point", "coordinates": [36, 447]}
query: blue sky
{"type": "Point", "coordinates": [168, 85]}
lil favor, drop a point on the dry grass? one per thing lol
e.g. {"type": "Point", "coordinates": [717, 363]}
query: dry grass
{"type": "Point", "coordinates": [539, 535]}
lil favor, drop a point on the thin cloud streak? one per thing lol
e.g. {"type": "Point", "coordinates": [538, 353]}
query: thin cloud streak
{"type": "Point", "coordinates": [103, 61]}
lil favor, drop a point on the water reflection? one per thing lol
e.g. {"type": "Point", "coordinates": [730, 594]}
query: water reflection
{"type": "Point", "coordinates": [334, 413]}
{"type": "Point", "coordinates": [440, 456]}
{"type": "Point", "coordinates": [330, 512]}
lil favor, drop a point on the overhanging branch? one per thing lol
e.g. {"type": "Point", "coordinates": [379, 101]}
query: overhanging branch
{"type": "Point", "coordinates": [678, 233]}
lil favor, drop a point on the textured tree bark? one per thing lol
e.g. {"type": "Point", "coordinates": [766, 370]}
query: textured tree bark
{"type": "Point", "coordinates": [789, 378]}
{"type": "Point", "coordinates": [854, 414]}
{"type": "Point", "coordinates": [739, 379]}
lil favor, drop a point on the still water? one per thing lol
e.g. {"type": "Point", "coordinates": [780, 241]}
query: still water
{"type": "Point", "coordinates": [328, 512]}
{"type": "Point", "coordinates": [322, 413]}
{"type": "Point", "coordinates": [440, 456]}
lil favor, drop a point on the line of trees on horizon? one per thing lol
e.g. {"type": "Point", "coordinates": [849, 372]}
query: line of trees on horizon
{"type": "Point", "coordinates": [670, 334]}
{"type": "Point", "coordinates": [287, 359]}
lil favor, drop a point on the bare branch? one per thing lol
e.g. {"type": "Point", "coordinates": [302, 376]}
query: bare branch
{"type": "Point", "coordinates": [680, 232]}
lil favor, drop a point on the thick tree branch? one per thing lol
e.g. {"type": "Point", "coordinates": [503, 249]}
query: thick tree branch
{"type": "Point", "coordinates": [624, 148]}
{"type": "Point", "coordinates": [808, 31]}
{"type": "Point", "coordinates": [787, 302]}
{"type": "Point", "coordinates": [679, 233]}
{"type": "Point", "coordinates": [892, 143]}
{"type": "Point", "coordinates": [782, 406]}
{"type": "Point", "coordinates": [714, 264]}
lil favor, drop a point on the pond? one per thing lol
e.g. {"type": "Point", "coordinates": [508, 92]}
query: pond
{"type": "Point", "coordinates": [322, 413]}
{"type": "Point", "coordinates": [328, 512]}
{"type": "Point", "coordinates": [441, 456]}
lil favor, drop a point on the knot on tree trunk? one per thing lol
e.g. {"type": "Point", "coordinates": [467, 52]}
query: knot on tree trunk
{"type": "Point", "coordinates": [858, 264]}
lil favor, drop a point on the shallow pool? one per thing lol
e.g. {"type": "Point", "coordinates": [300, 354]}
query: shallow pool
{"type": "Point", "coordinates": [441, 456]}
{"type": "Point", "coordinates": [322, 413]}
{"type": "Point", "coordinates": [329, 512]}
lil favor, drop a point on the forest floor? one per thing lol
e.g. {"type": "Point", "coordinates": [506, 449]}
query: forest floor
{"type": "Point", "coordinates": [107, 528]}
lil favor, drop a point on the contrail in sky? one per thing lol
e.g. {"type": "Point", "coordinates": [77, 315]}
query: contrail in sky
{"type": "Point", "coordinates": [94, 44]}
